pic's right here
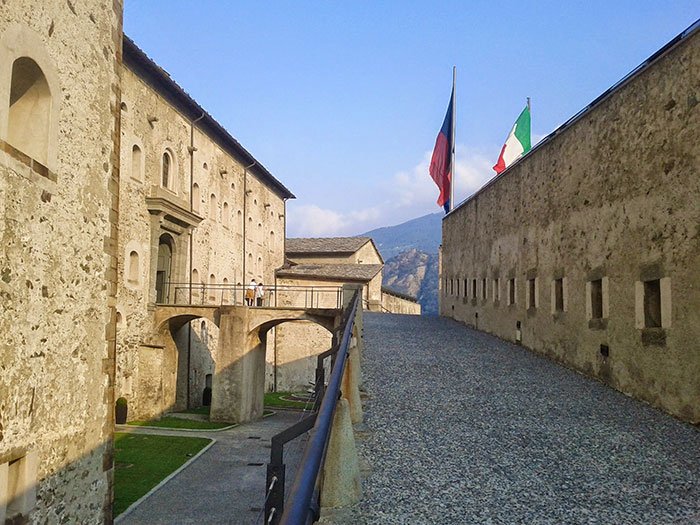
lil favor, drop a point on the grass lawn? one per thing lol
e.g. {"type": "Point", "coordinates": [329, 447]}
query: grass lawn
{"type": "Point", "coordinates": [176, 422]}
{"type": "Point", "coordinates": [142, 461]}
{"type": "Point", "coordinates": [274, 399]}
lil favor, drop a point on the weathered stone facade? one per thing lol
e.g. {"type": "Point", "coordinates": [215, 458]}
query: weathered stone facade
{"type": "Point", "coordinates": [587, 249]}
{"type": "Point", "coordinates": [196, 209]}
{"type": "Point", "coordinates": [59, 175]}
{"type": "Point", "coordinates": [326, 265]}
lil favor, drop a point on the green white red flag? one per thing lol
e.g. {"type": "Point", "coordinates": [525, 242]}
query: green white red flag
{"type": "Point", "coordinates": [518, 141]}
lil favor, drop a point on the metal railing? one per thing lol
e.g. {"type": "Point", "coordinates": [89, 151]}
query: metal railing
{"type": "Point", "coordinates": [303, 505]}
{"type": "Point", "coordinates": [279, 296]}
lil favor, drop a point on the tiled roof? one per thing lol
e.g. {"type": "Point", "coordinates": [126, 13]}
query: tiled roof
{"type": "Point", "coordinates": [326, 245]}
{"type": "Point", "coordinates": [340, 272]}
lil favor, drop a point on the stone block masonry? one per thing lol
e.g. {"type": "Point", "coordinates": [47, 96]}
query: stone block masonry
{"type": "Point", "coordinates": [587, 250]}
{"type": "Point", "coordinates": [59, 177]}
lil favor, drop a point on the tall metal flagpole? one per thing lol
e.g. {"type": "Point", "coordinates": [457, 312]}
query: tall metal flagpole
{"type": "Point", "coordinates": [452, 160]}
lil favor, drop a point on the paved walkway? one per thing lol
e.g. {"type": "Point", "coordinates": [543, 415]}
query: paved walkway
{"type": "Point", "coordinates": [220, 487]}
{"type": "Point", "coordinates": [464, 428]}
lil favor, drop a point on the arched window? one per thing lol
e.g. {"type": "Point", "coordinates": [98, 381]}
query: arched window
{"type": "Point", "coordinates": [120, 320]}
{"type": "Point", "coordinates": [272, 236]}
{"type": "Point", "coordinates": [167, 167]}
{"type": "Point", "coordinates": [205, 166]}
{"type": "Point", "coordinates": [133, 275]}
{"type": "Point", "coordinates": [29, 116]}
{"type": "Point", "coordinates": [195, 197]}
{"type": "Point", "coordinates": [136, 162]}
{"type": "Point", "coordinates": [233, 186]}
{"type": "Point", "coordinates": [195, 278]}
{"type": "Point", "coordinates": [212, 207]}
{"type": "Point", "coordinates": [225, 215]}
{"type": "Point", "coordinates": [225, 291]}
{"type": "Point", "coordinates": [212, 292]}
{"type": "Point", "coordinates": [163, 267]}
{"type": "Point", "coordinates": [259, 268]}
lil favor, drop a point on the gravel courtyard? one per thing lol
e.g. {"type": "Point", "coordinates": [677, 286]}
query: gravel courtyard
{"type": "Point", "coordinates": [465, 428]}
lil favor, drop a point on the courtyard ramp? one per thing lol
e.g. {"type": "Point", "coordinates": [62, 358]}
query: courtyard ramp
{"type": "Point", "coordinates": [465, 428]}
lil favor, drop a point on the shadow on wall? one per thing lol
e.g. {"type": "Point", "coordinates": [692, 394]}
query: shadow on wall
{"type": "Point", "coordinates": [292, 356]}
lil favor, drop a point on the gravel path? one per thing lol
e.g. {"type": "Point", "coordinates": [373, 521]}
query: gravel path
{"type": "Point", "coordinates": [465, 428]}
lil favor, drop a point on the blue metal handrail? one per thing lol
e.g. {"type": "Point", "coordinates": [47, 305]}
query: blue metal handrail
{"type": "Point", "coordinates": [299, 507]}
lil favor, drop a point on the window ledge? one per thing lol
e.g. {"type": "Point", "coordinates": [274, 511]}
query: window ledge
{"type": "Point", "coordinates": [34, 165]}
{"type": "Point", "coordinates": [598, 324]}
{"type": "Point", "coordinates": [653, 336]}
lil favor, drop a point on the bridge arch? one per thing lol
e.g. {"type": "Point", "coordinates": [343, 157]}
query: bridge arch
{"type": "Point", "coordinates": [289, 345]}
{"type": "Point", "coordinates": [188, 355]}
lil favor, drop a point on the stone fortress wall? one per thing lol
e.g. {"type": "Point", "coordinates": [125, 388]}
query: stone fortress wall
{"type": "Point", "coordinates": [189, 189]}
{"type": "Point", "coordinates": [588, 249]}
{"type": "Point", "coordinates": [59, 174]}
{"type": "Point", "coordinates": [398, 303]}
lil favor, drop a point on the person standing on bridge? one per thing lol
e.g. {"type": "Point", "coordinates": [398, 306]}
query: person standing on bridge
{"type": "Point", "coordinates": [259, 294]}
{"type": "Point", "coordinates": [250, 293]}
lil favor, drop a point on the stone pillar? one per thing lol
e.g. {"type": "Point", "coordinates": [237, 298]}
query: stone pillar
{"type": "Point", "coordinates": [239, 378]}
{"type": "Point", "coordinates": [341, 471]}
{"type": "Point", "coordinates": [351, 382]}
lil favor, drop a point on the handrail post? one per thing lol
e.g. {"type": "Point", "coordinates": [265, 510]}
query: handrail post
{"type": "Point", "coordinates": [275, 500]}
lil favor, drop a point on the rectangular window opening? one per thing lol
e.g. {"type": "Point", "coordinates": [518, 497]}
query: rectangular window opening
{"type": "Point", "coordinates": [473, 288]}
{"type": "Point", "coordinates": [496, 290]}
{"type": "Point", "coordinates": [597, 299]}
{"type": "Point", "coordinates": [511, 291]}
{"type": "Point", "coordinates": [559, 295]}
{"type": "Point", "coordinates": [483, 289]}
{"type": "Point", "coordinates": [464, 291]}
{"type": "Point", "coordinates": [531, 293]}
{"type": "Point", "coordinates": [652, 303]}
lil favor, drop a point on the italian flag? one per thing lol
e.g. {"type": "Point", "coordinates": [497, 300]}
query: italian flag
{"type": "Point", "coordinates": [518, 141]}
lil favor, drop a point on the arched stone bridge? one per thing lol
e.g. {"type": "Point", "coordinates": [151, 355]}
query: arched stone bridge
{"type": "Point", "coordinates": [239, 380]}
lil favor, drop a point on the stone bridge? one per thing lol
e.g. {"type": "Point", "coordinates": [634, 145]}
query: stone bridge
{"type": "Point", "coordinates": [239, 379]}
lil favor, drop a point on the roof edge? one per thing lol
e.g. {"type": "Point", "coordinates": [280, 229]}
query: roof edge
{"type": "Point", "coordinates": [657, 55]}
{"type": "Point", "coordinates": [148, 70]}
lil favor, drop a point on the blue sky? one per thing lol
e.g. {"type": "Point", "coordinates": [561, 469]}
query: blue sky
{"type": "Point", "coordinates": [342, 101]}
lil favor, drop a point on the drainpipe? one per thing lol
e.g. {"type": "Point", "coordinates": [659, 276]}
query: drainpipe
{"type": "Point", "coordinates": [245, 213]}
{"type": "Point", "coordinates": [191, 149]}
{"type": "Point", "coordinates": [284, 259]}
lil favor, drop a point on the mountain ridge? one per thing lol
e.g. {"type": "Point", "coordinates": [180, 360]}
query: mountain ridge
{"type": "Point", "coordinates": [410, 252]}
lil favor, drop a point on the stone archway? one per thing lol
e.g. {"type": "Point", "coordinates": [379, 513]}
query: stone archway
{"type": "Point", "coordinates": [159, 390]}
{"type": "Point", "coordinates": [164, 268]}
{"type": "Point", "coordinates": [239, 381]}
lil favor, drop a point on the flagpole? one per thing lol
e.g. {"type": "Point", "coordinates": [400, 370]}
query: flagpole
{"type": "Point", "coordinates": [452, 160]}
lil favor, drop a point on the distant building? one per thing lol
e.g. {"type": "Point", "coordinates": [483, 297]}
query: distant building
{"type": "Point", "coordinates": [325, 264]}
{"type": "Point", "coordinates": [587, 249]}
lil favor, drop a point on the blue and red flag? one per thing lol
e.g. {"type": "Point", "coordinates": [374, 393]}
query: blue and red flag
{"type": "Point", "coordinates": [441, 163]}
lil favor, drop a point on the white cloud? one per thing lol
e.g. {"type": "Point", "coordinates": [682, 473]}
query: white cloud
{"type": "Point", "coordinates": [407, 195]}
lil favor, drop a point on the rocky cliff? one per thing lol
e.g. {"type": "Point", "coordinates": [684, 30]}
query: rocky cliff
{"type": "Point", "coordinates": [415, 273]}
